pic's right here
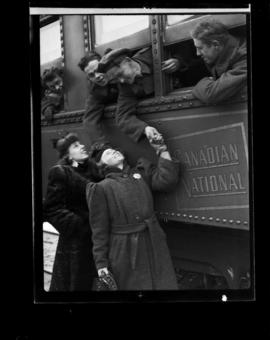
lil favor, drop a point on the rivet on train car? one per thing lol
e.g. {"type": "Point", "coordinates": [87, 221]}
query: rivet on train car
{"type": "Point", "coordinates": [185, 97]}
{"type": "Point", "coordinates": [166, 213]}
{"type": "Point", "coordinates": [190, 104]}
{"type": "Point", "coordinates": [190, 216]}
{"type": "Point", "coordinates": [210, 218]}
{"type": "Point", "coordinates": [172, 214]}
{"type": "Point", "coordinates": [245, 223]}
{"type": "Point", "coordinates": [85, 41]}
{"type": "Point", "coordinates": [180, 105]}
{"type": "Point", "coordinates": [224, 220]}
{"type": "Point", "coordinates": [196, 217]}
{"type": "Point", "coordinates": [217, 219]}
{"type": "Point", "coordinates": [238, 222]}
{"type": "Point", "coordinates": [178, 214]}
{"type": "Point", "coordinates": [231, 221]}
{"type": "Point", "coordinates": [202, 218]}
{"type": "Point", "coordinates": [154, 21]}
{"type": "Point", "coordinates": [184, 215]}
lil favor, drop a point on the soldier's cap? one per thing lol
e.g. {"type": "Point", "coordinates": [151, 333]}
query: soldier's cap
{"type": "Point", "coordinates": [113, 58]}
{"type": "Point", "coordinates": [64, 143]}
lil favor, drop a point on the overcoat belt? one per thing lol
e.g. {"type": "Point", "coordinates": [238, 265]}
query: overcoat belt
{"type": "Point", "coordinates": [135, 229]}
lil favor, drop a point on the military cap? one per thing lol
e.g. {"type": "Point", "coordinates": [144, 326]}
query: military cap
{"type": "Point", "coordinates": [113, 58]}
{"type": "Point", "coordinates": [64, 143]}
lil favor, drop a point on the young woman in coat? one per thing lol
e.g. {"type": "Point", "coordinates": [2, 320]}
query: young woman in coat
{"type": "Point", "coordinates": [66, 209]}
{"type": "Point", "coordinates": [127, 238]}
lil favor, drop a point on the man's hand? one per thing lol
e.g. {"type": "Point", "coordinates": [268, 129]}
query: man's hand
{"type": "Point", "coordinates": [158, 145]}
{"type": "Point", "coordinates": [170, 65]}
{"type": "Point", "coordinates": [152, 133]}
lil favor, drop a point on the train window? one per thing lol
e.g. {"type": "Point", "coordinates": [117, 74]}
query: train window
{"type": "Point", "coordinates": [178, 44]}
{"type": "Point", "coordinates": [51, 68]}
{"type": "Point", "coordinates": [50, 42]}
{"type": "Point", "coordinates": [173, 19]}
{"type": "Point", "coordinates": [112, 27]}
{"type": "Point", "coordinates": [120, 31]}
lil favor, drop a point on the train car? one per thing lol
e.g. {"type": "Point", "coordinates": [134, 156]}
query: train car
{"type": "Point", "coordinates": [208, 217]}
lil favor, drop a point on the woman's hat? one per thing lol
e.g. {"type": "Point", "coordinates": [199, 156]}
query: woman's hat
{"type": "Point", "coordinates": [64, 143]}
{"type": "Point", "coordinates": [97, 150]}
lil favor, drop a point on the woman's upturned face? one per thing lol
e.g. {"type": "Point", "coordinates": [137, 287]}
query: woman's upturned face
{"type": "Point", "coordinates": [77, 152]}
{"type": "Point", "coordinates": [112, 157]}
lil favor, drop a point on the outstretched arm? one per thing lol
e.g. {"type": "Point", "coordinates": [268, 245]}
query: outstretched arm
{"type": "Point", "coordinates": [212, 91]}
{"type": "Point", "coordinates": [163, 176]}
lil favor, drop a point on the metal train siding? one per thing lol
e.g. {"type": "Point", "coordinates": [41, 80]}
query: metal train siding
{"type": "Point", "coordinates": [206, 217]}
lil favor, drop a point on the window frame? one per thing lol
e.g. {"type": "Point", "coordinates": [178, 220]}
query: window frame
{"type": "Point", "coordinates": [134, 41]}
{"type": "Point", "coordinates": [181, 31]}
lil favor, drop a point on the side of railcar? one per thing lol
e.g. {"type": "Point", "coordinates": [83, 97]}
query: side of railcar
{"type": "Point", "coordinates": [207, 216]}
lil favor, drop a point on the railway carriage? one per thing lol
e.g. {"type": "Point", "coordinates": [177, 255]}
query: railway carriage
{"type": "Point", "coordinates": [207, 218]}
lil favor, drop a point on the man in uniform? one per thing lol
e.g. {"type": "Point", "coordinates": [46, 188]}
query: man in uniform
{"type": "Point", "coordinates": [225, 57]}
{"type": "Point", "coordinates": [133, 76]}
{"type": "Point", "coordinates": [53, 96]}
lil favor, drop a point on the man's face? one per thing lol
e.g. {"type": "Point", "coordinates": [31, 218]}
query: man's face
{"type": "Point", "coordinates": [55, 85]}
{"type": "Point", "coordinates": [209, 53]}
{"type": "Point", "coordinates": [125, 72]}
{"type": "Point", "coordinates": [94, 76]}
{"type": "Point", "coordinates": [77, 152]}
{"type": "Point", "coordinates": [112, 157]}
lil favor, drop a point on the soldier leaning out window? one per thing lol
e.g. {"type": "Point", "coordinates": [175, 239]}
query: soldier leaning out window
{"type": "Point", "coordinates": [52, 100]}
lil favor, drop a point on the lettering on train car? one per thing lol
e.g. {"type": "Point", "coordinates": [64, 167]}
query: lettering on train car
{"type": "Point", "coordinates": [214, 181]}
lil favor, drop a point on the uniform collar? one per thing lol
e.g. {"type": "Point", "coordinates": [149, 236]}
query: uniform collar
{"type": "Point", "coordinates": [222, 63]}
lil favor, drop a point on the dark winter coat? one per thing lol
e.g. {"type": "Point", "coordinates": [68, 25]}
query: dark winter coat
{"type": "Point", "coordinates": [229, 74]}
{"type": "Point", "coordinates": [127, 237]}
{"type": "Point", "coordinates": [126, 113]}
{"type": "Point", "coordinates": [126, 119]}
{"type": "Point", "coordinates": [66, 209]}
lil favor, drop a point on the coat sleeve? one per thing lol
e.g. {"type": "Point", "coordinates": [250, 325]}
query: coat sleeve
{"type": "Point", "coordinates": [211, 91]}
{"type": "Point", "coordinates": [52, 101]}
{"type": "Point", "coordinates": [126, 117]}
{"type": "Point", "coordinates": [161, 177]}
{"type": "Point", "coordinates": [92, 120]}
{"type": "Point", "coordinates": [55, 210]}
{"type": "Point", "coordinates": [99, 222]}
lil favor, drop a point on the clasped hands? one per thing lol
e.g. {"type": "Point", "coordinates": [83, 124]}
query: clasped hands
{"type": "Point", "coordinates": [155, 139]}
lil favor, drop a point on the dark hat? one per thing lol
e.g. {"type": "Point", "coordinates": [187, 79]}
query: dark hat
{"type": "Point", "coordinates": [97, 150]}
{"type": "Point", "coordinates": [113, 58]}
{"type": "Point", "coordinates": [64, 143]}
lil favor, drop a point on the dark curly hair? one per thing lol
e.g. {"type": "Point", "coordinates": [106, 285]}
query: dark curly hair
{"type": "Point", "coordinates": [87, 58]}
{"type": "Point", "coordinates": [50, 74]}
